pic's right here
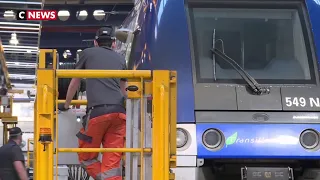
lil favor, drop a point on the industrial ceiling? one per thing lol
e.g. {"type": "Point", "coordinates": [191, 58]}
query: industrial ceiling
{"type": "Point", "coordinates": [74, 31]}
{"type": "Point", "coordinates": [20, 40]}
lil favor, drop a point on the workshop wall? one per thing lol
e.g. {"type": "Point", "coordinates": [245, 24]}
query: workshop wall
{"type": "Point", "coordinates": [25, 114]}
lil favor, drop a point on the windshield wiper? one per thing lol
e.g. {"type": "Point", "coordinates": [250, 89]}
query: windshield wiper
{"type": "Point", "coordinates": [253, 84]}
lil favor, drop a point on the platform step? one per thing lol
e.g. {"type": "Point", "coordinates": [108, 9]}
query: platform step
{"type": "Point", "coordinates": [266, 173]}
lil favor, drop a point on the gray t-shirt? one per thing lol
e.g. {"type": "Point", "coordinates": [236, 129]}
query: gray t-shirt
{"type": "Point", "coordinates": [102, 91]}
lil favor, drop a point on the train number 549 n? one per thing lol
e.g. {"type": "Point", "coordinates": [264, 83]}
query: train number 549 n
{"type": "Point", "coordinates": [302, 102]}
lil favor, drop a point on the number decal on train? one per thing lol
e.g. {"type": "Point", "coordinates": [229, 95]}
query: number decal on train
{"type": "Point", "coordinates": [302, 102]}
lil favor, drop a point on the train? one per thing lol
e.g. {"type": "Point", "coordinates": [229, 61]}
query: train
{"type": "Point", "coordinates": [248, 83]}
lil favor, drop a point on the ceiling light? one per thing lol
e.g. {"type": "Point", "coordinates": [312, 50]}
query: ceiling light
{"type": "Point", "coordinates": [21, 32]}
{"type": "Point", "coordinates": [22, 76]}
{"type": "Point", "coordinates": [13, 36]}
{"type": "Point", "coordinates": [21, 65]}
{"type": "Point", "coordinates": [14, 53]}
{"type": "Point", "coordinates": [9, 15]}
{"type": "Point", "coordinates": [19, 28]}
{"type": "Point", "coordinates": [63, 15]}
{"type": "Point", "coordinates": [99, 15]}
{"type": "Point", "coordinates": [22, 47]}
{"type": "Point", "coordinates": [14, 39]}
{"type": "Point", "coordinates": [66, 54]}
{"type": "Point", "coordinates": [19, 49]}
{"type": "Point", "coordinates": [22, 2]}
{"type": "Point", "coordinates": [82, 15]}
{"type": "Point", "coordinates": [20, 24]}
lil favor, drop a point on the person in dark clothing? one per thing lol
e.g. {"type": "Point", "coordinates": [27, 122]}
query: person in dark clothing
{"type": "Point", "coordinates": [105, 122]}
{"type": "Point", "coordinates": [11, 158]}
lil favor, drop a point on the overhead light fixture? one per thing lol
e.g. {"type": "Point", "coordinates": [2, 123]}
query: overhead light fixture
{"type": "Point", "coordinates": [22, 2]}
{"type": "Point", "coordinates": [21, 65]}
{"type": "Point", "coordinates": [22, 47]}
{"type": "Point", "coordinates": [20, 28]}
{"type": "Point", "coordinates": [63, 15]}
{"type": "Point", "coordinates": [19, 49]}
{"type": "Point", "coordinates": [79, 50]}
{"type": "Point", "coordinates": [20, 24]}
{"type": "Point", "coordinates": [22, 76]}
{"type": "Point", "coordinates": [66, 54]}
{"type": "Point", "coordinates": [14, 39]}
{"type": "Point", "coordinates": [82, 15]}
{"type": "Point", "coordinates": [9, 15]}
{"type": "Point", "coordinates": [20, 52]}
{"type": "Point", "coordinates": [21, 32]}
{"type": "Point", "coordinates": [99, 15]}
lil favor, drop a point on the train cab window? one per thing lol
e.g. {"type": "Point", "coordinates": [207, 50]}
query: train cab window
{"type": "Point", "coordinates": [271, 45]}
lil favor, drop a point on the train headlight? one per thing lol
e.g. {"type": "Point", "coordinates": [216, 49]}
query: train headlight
{"type": "Point", "coordinates": [182, 137]}
{"type": "Point", "coordinates": [213, 139]}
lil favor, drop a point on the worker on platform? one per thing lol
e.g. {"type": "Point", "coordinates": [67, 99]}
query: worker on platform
{"type": "Point", "coordinates": [105, 119]}
{"type": "Point", "coordinates": [12, 161]}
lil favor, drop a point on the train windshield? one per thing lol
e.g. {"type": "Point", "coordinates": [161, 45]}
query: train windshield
{"type": "Point", "coordinates": [271, 45]}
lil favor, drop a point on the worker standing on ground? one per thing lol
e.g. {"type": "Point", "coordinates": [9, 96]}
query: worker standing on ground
{"type": "Point", "coordinates": [11, 158]}
{"type": "Point", "coordinates": [105, 120]}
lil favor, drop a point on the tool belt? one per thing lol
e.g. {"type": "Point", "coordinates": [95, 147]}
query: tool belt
{"type": "Point", "coordinates": [109, 109]}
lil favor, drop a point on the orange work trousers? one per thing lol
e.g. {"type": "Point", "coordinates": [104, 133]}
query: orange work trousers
{"type": "Point", "coordinates": [108, 130]}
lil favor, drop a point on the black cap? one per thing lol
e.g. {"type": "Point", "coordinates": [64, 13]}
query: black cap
{"type": "Point", "coordinates": [15, 132]}
{"type": "Point", "coordinates": [107, 32]}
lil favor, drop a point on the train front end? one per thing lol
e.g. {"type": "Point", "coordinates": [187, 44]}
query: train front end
{"type": "Point", "coordinates": [248, 83]}
{"type": "Point", "coordinates": [256, 91]}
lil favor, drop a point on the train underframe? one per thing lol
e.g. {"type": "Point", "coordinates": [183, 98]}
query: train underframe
{"type": "Point", "coordinates": [249, 169]}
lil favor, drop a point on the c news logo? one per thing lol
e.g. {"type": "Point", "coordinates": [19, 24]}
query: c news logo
{"type": "Point", "coordinates": [21, 15]}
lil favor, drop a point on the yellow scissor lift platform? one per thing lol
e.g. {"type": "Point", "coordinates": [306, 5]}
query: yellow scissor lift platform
{"type": "Point", "coordinates": [157, 135]}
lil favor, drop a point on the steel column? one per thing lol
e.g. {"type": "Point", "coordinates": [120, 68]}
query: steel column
{"type": "Point", "coordinates": [44, 121]}
{"type": "Point", "coordinates": [160, 127]}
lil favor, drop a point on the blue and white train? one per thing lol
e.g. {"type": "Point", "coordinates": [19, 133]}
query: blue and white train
{"type": "Point", "coordinates": [248, 83]}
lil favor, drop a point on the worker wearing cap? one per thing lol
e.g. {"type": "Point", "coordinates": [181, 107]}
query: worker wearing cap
{"type": "Point", "coordinates": [105, 120]}
{"type": "Point", "coordinates": [11, 158]}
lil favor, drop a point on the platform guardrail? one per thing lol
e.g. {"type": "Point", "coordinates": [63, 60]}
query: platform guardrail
{"type": "Point", "coordinates": [158, 84]}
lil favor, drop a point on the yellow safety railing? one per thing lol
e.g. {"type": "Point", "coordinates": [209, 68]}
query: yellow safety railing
{"type": "Point", "coordinates": [30, 140]}
{"type": "Point", "coordinates": [162, 87]}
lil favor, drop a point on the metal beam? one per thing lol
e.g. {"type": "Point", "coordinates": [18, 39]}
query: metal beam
{"type": "Point", "coordinates": [19, 7]}
{"type": "Point", "coordinates": [23, 81]}
{"type": "Point", "coordinates": [22, 100]}
{"type": "Point", "coordinates": [75, 29]}
{"type": "Point", "coordinates": [55, 40]}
